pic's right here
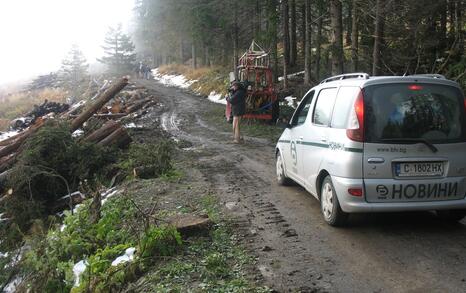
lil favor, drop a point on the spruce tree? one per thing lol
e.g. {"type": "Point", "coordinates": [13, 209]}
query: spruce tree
{"type": "Point", "coordinates": [119, 54]}
{"type": "Point", "coordinates": [74, 72]}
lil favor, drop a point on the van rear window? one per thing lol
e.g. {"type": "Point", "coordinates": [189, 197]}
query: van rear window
{"type": "Point", "coordinates": [428, 111]}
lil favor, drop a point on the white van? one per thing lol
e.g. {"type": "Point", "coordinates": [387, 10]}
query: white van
{"type": "Point", "coordinates": [379, 144]}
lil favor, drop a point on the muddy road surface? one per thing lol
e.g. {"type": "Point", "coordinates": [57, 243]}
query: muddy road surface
{"type": "Point", "coordinates": [297, 251]}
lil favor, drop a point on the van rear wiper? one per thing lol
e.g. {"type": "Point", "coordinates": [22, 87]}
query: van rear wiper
{"type": "Point", "coordinates": [412, 141]}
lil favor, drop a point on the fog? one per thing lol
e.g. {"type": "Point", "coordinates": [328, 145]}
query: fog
{"type": "Point", "coordinates": [37, 35]}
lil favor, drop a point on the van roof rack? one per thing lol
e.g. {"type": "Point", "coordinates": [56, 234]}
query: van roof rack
{"type": "Point", "coordinates": [346, 76]}
{"type": "Point", "coordinates": [431, 75]}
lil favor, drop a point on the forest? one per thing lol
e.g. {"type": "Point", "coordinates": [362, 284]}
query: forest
{"type": "Point", "coordinates": [320, 37]}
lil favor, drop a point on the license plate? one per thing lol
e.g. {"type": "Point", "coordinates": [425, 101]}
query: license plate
{"type": "Point", "coordinates": [427, 169]}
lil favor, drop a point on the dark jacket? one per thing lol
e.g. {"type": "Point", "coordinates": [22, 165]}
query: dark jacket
{"type": "Point", "coordinates": [238, 102]}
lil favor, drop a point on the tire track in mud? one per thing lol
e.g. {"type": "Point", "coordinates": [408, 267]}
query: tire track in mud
{"type": "Point", "coordinates": [297, 251]}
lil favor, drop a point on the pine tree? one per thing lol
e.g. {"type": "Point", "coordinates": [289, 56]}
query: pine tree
{"type": "Point", "coordinates": [74, 72]}
{"type": "Point", "coordinates": [120, 56]}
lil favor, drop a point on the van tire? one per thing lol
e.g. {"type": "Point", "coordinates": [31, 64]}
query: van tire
{"type": "Point", "coordinates": [451, 215]}
{"type": "Point", "coordinates": [330, 206]}
{"type": "Point", "coordinates": [280, 172]}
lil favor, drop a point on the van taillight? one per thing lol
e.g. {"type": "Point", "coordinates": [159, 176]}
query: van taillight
{"type": "Point", "coordinates": [355, 129]}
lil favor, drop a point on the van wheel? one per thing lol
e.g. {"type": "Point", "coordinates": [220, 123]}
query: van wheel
{"type": "Point", "coordinates": [330, 206]}
{"type": "Point", "coordinates": [281, 178]}
{"type": "Point", "coordinates": [451, 215]}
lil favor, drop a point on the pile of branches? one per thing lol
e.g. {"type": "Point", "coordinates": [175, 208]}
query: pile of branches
{"type": "Point", "coordinates": [107, 106]}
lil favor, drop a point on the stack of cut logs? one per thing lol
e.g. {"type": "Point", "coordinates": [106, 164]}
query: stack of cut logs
{"type": "Point", "coordinates": [111, 133]}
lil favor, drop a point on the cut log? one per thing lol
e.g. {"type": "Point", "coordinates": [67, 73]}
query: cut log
{"type": "Point", "coordinates": [189, 225]}
{"type": "Point", "coordinates": [6, 162]}
{"type": "Point", "coordinates": [119, 138]}
{"type": "Point", "coordinates": [99, 103]}
{"type": "Point", "coordinates": [136, 106]}
{"type": "Point", "coordinates": [103, 132]}
{"type": "Point", "coordinates": [105, 116]}
{"type": "Point", "coordinates": [14, 145]}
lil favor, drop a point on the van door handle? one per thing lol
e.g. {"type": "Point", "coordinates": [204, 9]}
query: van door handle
{"type": "Point", "coordinates": [323, 139]}
{"type": "Point", "coordinates": [376, 160]}
{"type": "Point", "coordinates": [301, 138]}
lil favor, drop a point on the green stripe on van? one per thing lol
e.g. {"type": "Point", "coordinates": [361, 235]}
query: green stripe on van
{"type": "Point", "coordinates": [322, 145]}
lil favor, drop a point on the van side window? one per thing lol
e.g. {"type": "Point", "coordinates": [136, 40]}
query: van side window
{"type": "Point", "coordinates": [301, 114]}
{"type": "Point", "coordinates": [344, 105]}
{"type": "Point", "coordinates": [324, 106]}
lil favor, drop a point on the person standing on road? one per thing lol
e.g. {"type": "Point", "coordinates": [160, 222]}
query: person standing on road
{"type": "Point", "coordinates": [237, 100]}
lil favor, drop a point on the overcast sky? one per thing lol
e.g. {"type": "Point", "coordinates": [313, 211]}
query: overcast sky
{"type": "Point", "coordinates": [35, 35]}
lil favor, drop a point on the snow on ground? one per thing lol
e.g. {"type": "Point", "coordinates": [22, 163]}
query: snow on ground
{"type": "Point", "coordinates": [108, 194]}
{"type": "Point", "coordinates": [291, 75]}
{"type": "Point", "coordinates": [11, 287]}
{"type": "Point", "coordinates": [78, 269]}
{"type": "Point", "coordinates": [291, 101]}
{"type": "Point", "coordinates": [181, 81]}
{"type": "Point", "coordinates": [217, 98]}
{"type": "Point", "coordinates": [172, 80]}
{"type": "Point", "coordinates": [77, 133]}
{"type": "Point", "coordinates": [128, 256]}
{"type": "Point", "coordinates": [5, 135]}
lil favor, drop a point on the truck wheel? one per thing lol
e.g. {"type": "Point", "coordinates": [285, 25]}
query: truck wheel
{"type": "Point", "coordinates": [329, 205]}
{"type": "Point", "coordinates": [281, 178]}
{"type": "Point", "coordinates": [451, 215]}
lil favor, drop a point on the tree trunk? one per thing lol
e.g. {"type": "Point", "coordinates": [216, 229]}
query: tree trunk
{"type": "Point", "coordinates": [349, 24]}
{"type": "Point", "coordinates": [235, 44]}
{"type": "Point", "coordinates": [303, 30]}
{"type": "Point", "coordinates": [377, 38]}
{"type": "Point", "coordinates": [119, 137]}
{"type": "Point", "coordinates": [319, 37]}
{"type": "Point", "coordinates": [460, 25]}
{"type": "Point", "coordinates": [293, 39]}
{"type": "Point", "coordinates": [193, 55]}
{"type": "Point", "coordinates": [286, 43]}
{"type": "Point", "coordinates": [355, 36]}
{"type": "Point", "coordinates": [273, 20]}
{"type": "Point", "coordinates": [98, 104]}
{"type": "Point", "coordinates": [103, 132]}
{"type": "Point", "coordinates": [307, 43]}
{"type": "Point", "coordinates": [336, 37]}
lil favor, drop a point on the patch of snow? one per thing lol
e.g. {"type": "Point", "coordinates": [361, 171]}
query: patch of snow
{"type": "Point", "coordinates": [217, 98]}
{"type": "Point", "coordinates": [73, 194]}
{"type": "Point", "coordinates": [62, 228]}
{"type": "Point", "coordinates": [76, 208]}
{"type": "Point", "coordinates": [291, 101]}
{"type": "Point", "coordinates": [78, 133]}
{"type": "Point", "coordinates": [172, 80]}
{"type": "Point", "coordinates": [291, 75]}
{"type": "Point", "coordinates": [11, 287]}
{"type": "Point", "coordinates": [78, 270]}
{"type": "Point", "coordinates": [2, 255]}
{"type": "Point", "coordinates": [6, 135]}
{"type": "Point", "coordinates": [128, 256]}
{"type": "Point", "coordinates": [106, 195]}
{"type": "Point", "coordinates": [77, 105]}
{"type": "Point", "coordinates": [134, 125]}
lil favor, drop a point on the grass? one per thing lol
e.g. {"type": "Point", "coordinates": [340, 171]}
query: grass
{"type": "Point", "coordinates": [208, 264]}
{"type": "Point", "coordinates": [19, 104]}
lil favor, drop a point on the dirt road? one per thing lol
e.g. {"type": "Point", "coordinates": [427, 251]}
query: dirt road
{"type": "Point", "coordinates": [297, 250]}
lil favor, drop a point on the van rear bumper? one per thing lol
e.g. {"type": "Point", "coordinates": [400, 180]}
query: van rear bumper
{"type": "Point", "coordinates": [354, 204]}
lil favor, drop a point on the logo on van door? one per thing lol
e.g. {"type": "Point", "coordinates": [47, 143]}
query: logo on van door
{"type": "Point", "coordinates": [417, 191]}
{"type": "Point", "coordinates": [294, 154]}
